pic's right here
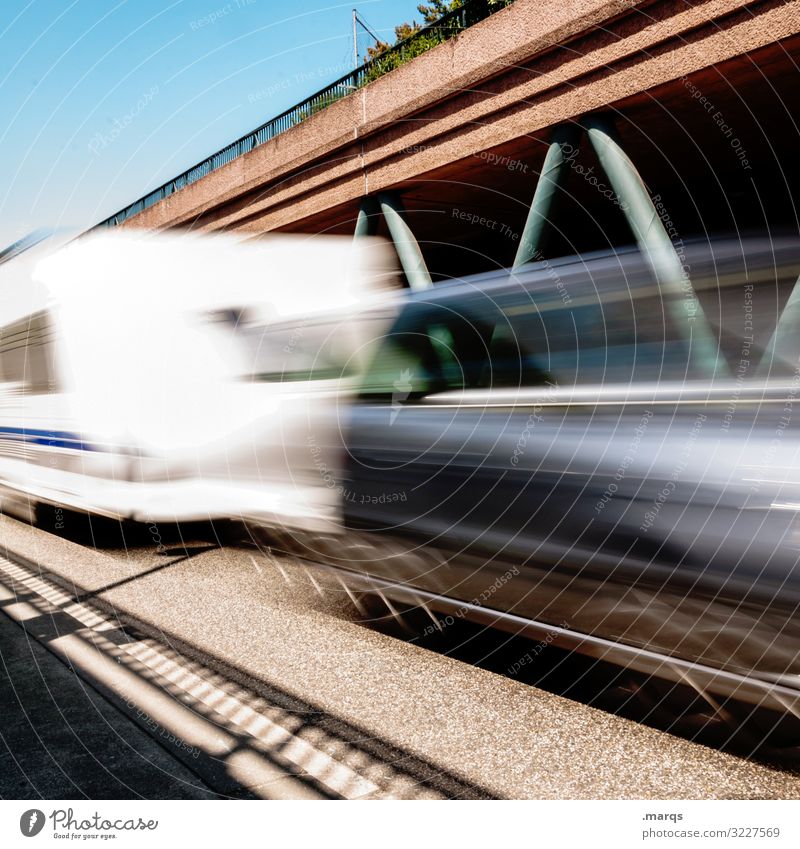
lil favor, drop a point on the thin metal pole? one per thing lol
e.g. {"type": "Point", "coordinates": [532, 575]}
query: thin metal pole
{"type": "Point", "coordinates": [564, 146]}
{"type": "Point", "coordinates": [655, 244]}
{"type": "Point", "coordinates": [355, 39]}
{"type": "Point", "coordinates": [405, 244]}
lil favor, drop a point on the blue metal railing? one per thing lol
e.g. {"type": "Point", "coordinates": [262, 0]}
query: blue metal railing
{"type": "Point", "coordinates": [441, 30]}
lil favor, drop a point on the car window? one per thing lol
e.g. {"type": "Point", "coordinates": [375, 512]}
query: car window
{"type": "Point", "coordinates": [614, 337]}
{"type": "Point", "coordinates": [609, 325]}
{"type": "Point", "coordinates": [744, 307]}
{"type": "Point", "coordinates": [523, 338]}
{"type": "Point", "coordinates": [456, 345]}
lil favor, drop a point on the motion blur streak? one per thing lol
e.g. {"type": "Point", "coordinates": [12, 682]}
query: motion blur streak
{"type": "Point", "coordinates": [179, 377]}
{"type": "Point", "coordinates": [561, 449]}
{"type": "Point", "coordinates": [648, 499]}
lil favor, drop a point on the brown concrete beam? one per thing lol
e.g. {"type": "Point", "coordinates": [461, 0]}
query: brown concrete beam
{"type": "Point", "coordinates": [305, 194]}
{"type": "Point", "coordinates": [487, 48]}
{"type": "Point", "coordinates": [531, 66]}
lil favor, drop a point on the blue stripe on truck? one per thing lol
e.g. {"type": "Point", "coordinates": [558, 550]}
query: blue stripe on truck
{"type": "Point", "coordinates": [51, 438]}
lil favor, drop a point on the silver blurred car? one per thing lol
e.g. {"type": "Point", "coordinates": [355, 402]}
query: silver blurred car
{"type": "Point", "coordinates": [572, 449]}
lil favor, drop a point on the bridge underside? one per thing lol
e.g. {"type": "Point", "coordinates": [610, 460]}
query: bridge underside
{"type": "Point", "coordinates": [719, 149]}
{"type": "Point", "coordinates": [458, 136]}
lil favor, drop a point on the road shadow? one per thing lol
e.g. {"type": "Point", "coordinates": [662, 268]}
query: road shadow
{"type": "Point", "coordinates": [105, 534]}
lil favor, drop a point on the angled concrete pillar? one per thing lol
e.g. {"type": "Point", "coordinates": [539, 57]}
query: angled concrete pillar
{"type": "Point", "coordinates": [552, 179]}
{"type": "Point", "coordinates": [368, 217]}
{"type": "Point", "coordinates": [655, 244]}
{"type": "Point", "coordinates": [405, 244]}
{"type": "Point", "coordinates": [390, 206]}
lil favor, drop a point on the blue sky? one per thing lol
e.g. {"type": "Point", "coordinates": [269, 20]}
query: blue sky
{"type": "Point", "coordinates": [103, 100]}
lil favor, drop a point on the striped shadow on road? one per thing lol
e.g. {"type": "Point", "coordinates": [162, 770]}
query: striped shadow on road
{"type": "Point", "coordinates": [243, 741]}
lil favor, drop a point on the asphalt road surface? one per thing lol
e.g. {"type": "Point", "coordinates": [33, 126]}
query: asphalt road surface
{"type": "Point", "coordinates": [258, 676]}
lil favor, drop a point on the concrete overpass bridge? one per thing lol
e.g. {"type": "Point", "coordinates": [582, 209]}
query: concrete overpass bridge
{"type": "Point", "coordinates": [686, 109]}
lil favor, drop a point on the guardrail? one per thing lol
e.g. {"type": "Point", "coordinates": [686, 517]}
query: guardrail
{"type": "Point", "coordinates": [441, 30]}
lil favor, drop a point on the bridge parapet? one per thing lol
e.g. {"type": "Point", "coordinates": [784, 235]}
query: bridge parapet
{"type": "Point", "coordinates": [501, 84]}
